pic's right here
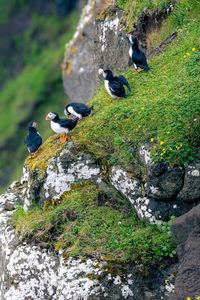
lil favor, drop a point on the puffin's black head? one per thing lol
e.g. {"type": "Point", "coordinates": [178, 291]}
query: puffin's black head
{"type": "Point", "coordinates": [32, 125]}
{"type": "Point", "coordinates": [107, 74]}
{"type": "Point", "coordinates": [132, 39]}
{"type": "Point", "coordinates": [52, 116]}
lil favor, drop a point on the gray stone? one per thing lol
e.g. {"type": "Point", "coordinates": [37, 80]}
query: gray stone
{"type": "Point", "coordinates": [186, 231]}
{"type": "Point", "coordinates": [191, 188]}
{"type": "Point", "coordinates": [64, 169]}
{"type": "Point", "coordinates": [111, 43]}
{"type": "Point", "coordinates": [29, 272]}
{"type": "Point", "coordinates": [78, 68]}
{"type": "Point", "coordinates": [164, 182]}
{"type": "Point", "coordinates": [132, 190]}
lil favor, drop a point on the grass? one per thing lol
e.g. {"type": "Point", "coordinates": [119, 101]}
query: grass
{"type": "Point", "coordinates": [162, 110]}
{"type": "Point", "coordinates": [81, 225]}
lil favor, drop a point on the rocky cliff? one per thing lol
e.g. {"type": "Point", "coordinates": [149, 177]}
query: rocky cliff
{"type": "Point", "coordinates": [33, 271]}
{"type": "Point", "coordinates": [81, 224]}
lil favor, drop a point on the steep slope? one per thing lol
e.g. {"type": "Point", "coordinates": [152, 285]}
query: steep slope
{"type": "Point", "coordinates": [146, 147]}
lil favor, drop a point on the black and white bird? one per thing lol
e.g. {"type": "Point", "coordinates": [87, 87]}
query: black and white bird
{"type": "Point", "coordinates": [137, 55]}
{"type": "Point", "coordinates": [79, 110]}
{"type": "Point", "coordinates": [114, 85]}
{"type": "Point", "coordinates": [33, 139]}
{"type": "Point", "coordinates": [61, 125]}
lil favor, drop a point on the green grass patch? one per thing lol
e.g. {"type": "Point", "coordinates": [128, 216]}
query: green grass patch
{"type": "Point", "coordinates": [163, 108]}
{"type": "Point", "coordinates": [81, 225]}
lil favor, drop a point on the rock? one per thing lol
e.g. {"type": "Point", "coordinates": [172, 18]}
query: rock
{"type": "Point", "coordinates": [191, 189]}
{"type": "Point", "coordinates": [132, 190]}
{"type": "Point", "coordinates": [186, 231]}
{"type": "Point", "coordinates": [9, 206]}
{"type": "Point", "coordinates": [78, 68]}
{"type": "Point", "coordinates": [163, 182]}
{"type": "Point", "coordinates": [29, 272]}
{"type": "Point", "coordinates": [184, 225]}
{"type": "Point", "coordinates": [111, 43]}
{"type": "Point", "coordinates": [144, 155]}
{"type": "Point", "coordinates": [67, 167]}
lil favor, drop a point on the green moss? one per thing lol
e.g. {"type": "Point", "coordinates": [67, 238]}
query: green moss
{"type": "Point", "coordinates": [81, 227]}
{"type": "Point", "coordinates": [162, 109]}
{"type": "Point", "coordinates": [49, 149]}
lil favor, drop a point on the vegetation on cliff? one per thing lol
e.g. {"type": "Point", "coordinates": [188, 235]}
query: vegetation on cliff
{"type": "Point", "coordinates": [87, 223]}
{"type": "Point", "coordinates": [163, 110]}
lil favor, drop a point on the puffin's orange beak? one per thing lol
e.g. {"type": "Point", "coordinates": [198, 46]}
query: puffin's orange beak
{"type": "Point", "coordinates": [46, 118]}
{"type": "Point", "coordinates": [36, 124]}
{"type": "Point", "coordinates": [102, 73]}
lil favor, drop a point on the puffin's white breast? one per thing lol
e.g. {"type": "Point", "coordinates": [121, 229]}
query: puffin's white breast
{"type": "Point", "coordinates": [130, 52]}
{"type": "Point", "coordinates": [57, 128]}
{"type": "Point", "coordinates": [106, 83]}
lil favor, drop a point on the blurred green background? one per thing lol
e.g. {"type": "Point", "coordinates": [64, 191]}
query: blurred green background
{"type": "Point", "coordinates": [33, 35]}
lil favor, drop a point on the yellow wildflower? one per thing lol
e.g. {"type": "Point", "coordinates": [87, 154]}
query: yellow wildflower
{"type": "Point", "coordinates": [185, 56]}
{"type": "Point", "coordinates": [188, 53]}
{"type": "Point", "coordinates": [161, 154]}
{"type": "Point", "coordinates": [168, 132]}
{"type": "Point", "coordinates": [152, 139]}
{"type": "Point", "coordinates": [188, 298]}
{"type": "Point", "coordinates": [155, 153]}
{"type": "Point", "coordinates": [139, 126]}
{"type": "Point", "coordinates": [193, 49]}
{"type": "Point", "coordinates": [170, 149]}
{"type": "Point", "coordinates": [163, 149]}
{"type": "Point", "coordinates": [181, 145]}
{"type": "Point", "coordinates": [142, 107]}
{"type": "Point", "coordinates": [154, 146]}
{"type": "Point", "coordinates": [161, 143]}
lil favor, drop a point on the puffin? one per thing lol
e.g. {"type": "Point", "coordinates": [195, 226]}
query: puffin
{"type": "Point", "coordinates": [61, 125]}
{"type": "Point", "coordinates": [33, 139]}
{"type": "Point", "coordinates": [114, 85]}
{"type": "Point", "coordinates": [138, 57]}
{"type": "Point", "coordinates": [79, 110]}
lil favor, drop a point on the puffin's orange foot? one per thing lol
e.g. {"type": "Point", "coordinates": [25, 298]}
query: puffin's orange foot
{"type": "Point", "coordinates": [63, 139]}
{"type": "Point", "coordinates": [79, 121]}
{"type": "Point", "coordinates": [139, 70]}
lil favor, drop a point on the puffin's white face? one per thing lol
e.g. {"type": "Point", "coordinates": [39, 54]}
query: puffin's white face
{"type": "Point", "coordinates": [101, 72]}
{"type": "Point", "coordinates": [50, 116]}
{"type": "Point", "coordinates": [130, 36]}
{"type": "Point", "coordinates": [34, 124]}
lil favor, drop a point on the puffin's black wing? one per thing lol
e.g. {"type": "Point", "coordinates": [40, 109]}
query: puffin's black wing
{"type": "Point", "coordinates": [123, 81]}
{"type": "Point", "coordinates": [140, 60]}
{"type": "Point", "coordinates": [68, 123]}
{"type": "Point", "coordinates": [33, 141]}
{"type": "Point", "coordinates": [81, 108]}
{"type": "Point", "coordinates": [116, 87]}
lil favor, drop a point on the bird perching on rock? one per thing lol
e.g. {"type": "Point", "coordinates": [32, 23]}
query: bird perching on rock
{"type": "Point", "coordinates": [33, 139]}
{"type": "Point", "coordinates": [61, 125]}
{"type": "Point", "coordinates": [79, 110]}
{"type": "Point", "coordinates": [137, 55]}
{"type": "Point", "coordinates": [114, 84]}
